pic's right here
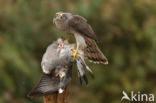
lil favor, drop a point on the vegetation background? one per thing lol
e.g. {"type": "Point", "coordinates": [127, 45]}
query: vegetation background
{"type": "Point", "coordinates": [127, 33]}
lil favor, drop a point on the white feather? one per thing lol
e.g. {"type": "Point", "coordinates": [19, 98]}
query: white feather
{"type": "Point", "coordinates": [80, 41]}
{"type": "Point", "coordinates": [60, 90]}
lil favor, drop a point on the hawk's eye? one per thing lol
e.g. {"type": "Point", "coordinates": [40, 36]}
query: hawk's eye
{"type": "Point", "coordinates": [64, 17]}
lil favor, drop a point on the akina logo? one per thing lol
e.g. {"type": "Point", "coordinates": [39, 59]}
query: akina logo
{"type": "Point", "coordinates": [142, 97]}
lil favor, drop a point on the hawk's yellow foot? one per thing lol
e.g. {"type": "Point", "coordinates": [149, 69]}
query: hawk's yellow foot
{"type": "Point", "coordinates": [74, 53]}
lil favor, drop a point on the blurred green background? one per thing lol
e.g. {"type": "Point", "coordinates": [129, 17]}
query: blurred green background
{"type": "Point", "coordinates": [127, 33]}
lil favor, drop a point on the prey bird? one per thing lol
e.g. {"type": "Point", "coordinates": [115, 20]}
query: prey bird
{"type": "Point", "coordinates": [57, 71]}
{"type": "Point", "coordinates": [83, 33]}
{"type": "Point", "coordinates": [57, 68]}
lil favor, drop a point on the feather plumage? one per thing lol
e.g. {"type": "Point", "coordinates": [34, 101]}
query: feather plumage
{"type": "Point", "coordinates": [93, 53]}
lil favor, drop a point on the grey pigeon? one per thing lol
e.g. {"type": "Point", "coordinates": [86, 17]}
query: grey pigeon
{"type": "Point", "coordinates": [57, 68]}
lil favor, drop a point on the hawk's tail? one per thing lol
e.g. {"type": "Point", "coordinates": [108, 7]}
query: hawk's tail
{"type": "Point", "coordinates": [93, 53]}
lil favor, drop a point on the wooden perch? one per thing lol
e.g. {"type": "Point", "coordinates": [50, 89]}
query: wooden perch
{"type": "Point", "coordinates": [58, 98]}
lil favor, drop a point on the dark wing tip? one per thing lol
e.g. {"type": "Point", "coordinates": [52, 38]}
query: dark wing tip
{"type": "Point", "coordinates": [80, 80]}
{"type": "Point", "coordinates": [92, 75]}
{"type": "Point", "coordinates": [34, 94]}
{"type": "Point", "coordinates": [85, 79]}
{"type": "Point", "coordinates": [43, 87]}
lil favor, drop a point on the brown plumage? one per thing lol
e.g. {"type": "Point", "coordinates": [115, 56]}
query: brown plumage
{"type": "Point", "coordinates": [93, 53]}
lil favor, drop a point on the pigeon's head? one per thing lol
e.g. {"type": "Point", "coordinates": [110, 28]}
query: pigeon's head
{"type": "Point", "coordinates": [61, 46]}
{"type": "Point", "coordinates": [61, 42]}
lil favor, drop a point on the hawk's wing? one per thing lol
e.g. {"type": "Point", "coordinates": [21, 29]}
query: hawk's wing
{"type": "Point", "coordinates": [80, 25]}
{"type": "Point", "coordinates": [92, 52]}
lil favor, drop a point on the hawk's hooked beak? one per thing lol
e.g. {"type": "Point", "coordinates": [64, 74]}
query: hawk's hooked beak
{"type": "Point", "coordinates": [58, 15]}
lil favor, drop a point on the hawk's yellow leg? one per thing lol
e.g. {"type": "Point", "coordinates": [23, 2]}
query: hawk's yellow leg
{"type": "Point", "coordinates": [74, 53]}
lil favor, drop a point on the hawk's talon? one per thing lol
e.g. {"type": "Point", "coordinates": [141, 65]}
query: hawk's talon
{"type": "Point", "coordinates": [74, 54]}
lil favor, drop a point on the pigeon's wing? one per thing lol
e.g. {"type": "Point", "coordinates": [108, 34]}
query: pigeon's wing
{"type": "Point", "coordinates": [46, 85]}
{"type": "Point", "coordinates": [49, 84]}
{"type": "Point", "coordinates": [80, 25]}
{"type": "Point", "coordinates": [49, 58]}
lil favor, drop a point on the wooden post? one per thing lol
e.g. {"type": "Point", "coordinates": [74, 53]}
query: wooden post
{"type": "Point", "coordinates": [58, 98]}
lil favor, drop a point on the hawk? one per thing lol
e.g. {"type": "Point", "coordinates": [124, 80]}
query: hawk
{"type": "Point", "coordinates": [83, 33]}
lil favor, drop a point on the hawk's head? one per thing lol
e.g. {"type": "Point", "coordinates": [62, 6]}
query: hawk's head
{"type": "Point", "coordinates": [60, 19]}
{"type": "Point", "coordinates": [63, 15]}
